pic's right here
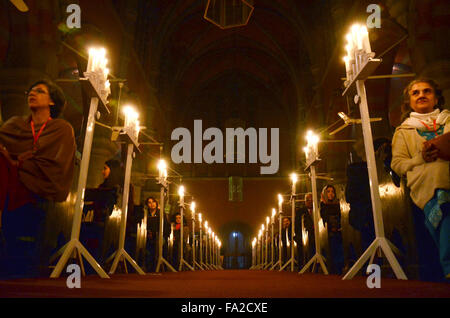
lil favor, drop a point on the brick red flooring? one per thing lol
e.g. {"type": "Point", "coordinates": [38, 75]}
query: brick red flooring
{"type": "Point", "coordinates": [223, 284]}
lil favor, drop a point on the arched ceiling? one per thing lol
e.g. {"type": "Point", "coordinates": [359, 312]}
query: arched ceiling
{"type": "Point", "coordinates": [190, 59]}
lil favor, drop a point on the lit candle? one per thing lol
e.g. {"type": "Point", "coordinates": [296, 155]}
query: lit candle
{"type": "Point", "coordinates": [294, 181]}
{"type": "Point", "coordinates": [161, 167]}
{"type": "Point", "coordinates": [274, 212]}
{"type": "Point", "coordinates": [365, 39]}
{"type": "Point", "coordinates": [181, 193]}
{"type": "Point", "coordinates": [280, 202]}
{"type": "Point", "coordinates": [359, 39]}
{"type": "Point", "coordinates": [91, 56]}
{"type": "Point", "coordinates": [347, 68]}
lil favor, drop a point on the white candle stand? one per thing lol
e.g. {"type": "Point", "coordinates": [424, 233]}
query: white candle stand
{"type": "Point", "coordinates": [292, 260]}
{"type": "Point", "coordinates": [181, 248]}
{"type": "Point", "coordinates": [120, 255]}
{"type": "Point", "coordinates": [194, 247]}
{"type": "Point", "coordinates": [213, 252]}
{"type": "Point", "coordinates": [74, 246]}
{"type": "Point", "coordinates": [161, 260]}
{"type": "Point", "coordinates": [269, 264]}
{"type": "Point", "coordinates": [206, 263]}
{"type": "Point", "coordinates": [208, 250]}
{"type": "Point", "coordinates": [380, 242]}
{"type": "Point", "coordinates": [318, 257]}
{"type": "Point", "coordinates": [272, 247]}
{"type": "Point", "coordinates": [280, 215]}
{"type": "Point", "coordinates": [202, 265]}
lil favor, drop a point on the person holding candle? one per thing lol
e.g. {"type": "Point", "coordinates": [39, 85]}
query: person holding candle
{"type": "Point", "coordinates": [330, 213]}
{"type": "Point", "coordinates": [37, 157]}
{"type": "Point", "coordinates": [417, 155]}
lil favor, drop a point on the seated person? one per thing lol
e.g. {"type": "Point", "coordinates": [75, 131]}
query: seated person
{"type": "Point", "coordinates": [427, 173]}
{"type": "Point", "coordinates": [37, 156]}
{"type": "Point", "coordinates": [330, 211]}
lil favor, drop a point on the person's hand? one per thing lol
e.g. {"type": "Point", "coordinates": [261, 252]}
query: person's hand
{"type": "Point", "coordinates": [5, 153]}
{"type": "Point", "coordinates": [429, 152]}
{"type": "Point", "coordinates": [26, 155]}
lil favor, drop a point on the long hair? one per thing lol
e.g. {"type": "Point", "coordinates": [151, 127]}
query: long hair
{"type": "Point", "coordinates": [148, 198]}
{"type": "Point", "coordinates": [56, 95]}
{"type": "Point", "coordinates": [115, 177]}
{"type": "Point", "coordinates": [325, 197]}
{"type": "Point", "coordinates": [406, 107]}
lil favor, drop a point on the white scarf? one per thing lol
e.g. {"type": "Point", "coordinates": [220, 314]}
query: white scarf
{"type": "Point", "coordinates": [421, 121]}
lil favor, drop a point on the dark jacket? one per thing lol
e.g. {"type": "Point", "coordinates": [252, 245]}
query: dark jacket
{"type": "Point", "coordinates": [331, 215]}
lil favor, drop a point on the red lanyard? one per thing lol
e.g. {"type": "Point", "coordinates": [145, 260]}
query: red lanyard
{"type": "Point", "coordinates": [36, 137]}
{"type": "Point", "coordinates": [429, 129]}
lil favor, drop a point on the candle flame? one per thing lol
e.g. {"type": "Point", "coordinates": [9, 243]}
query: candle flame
{"type": "Point", "coordinates": [294, 177]}
{"type": "Point", "coordinates": [181, 191]}
{"type": "Point", "coordinates": [162, 165]}
{"type": "Point", "coordinates": [280, 198]}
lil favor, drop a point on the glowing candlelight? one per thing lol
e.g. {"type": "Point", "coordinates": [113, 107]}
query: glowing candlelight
{"type": "Point", "coordinates": [347, 67]}
{"type": "Point", "coordinates": [267, 220]}
{"type": "Point", "coordinates": [365, 39]}
{"type": "Point", "coordinates": [274, 212]}
{"type": "Point", "coordinates": [280, 202]}
{"type": "Point", "coordinates": [161, 167]}
{"type": "Point", "coordinates": [181, 194]}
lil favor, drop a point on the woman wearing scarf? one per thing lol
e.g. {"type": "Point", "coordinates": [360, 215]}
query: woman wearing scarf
{"type": "Point", "coordinates": [37, 156]}
{"type": "Point", "coordinates": [426, 172]}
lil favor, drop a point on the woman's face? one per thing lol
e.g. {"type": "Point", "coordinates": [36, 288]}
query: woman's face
{"type": "Point", "coordinates": [151, 204]}
{"type": "Point", "coordinates": [330, 194]}
{"type": "Point", "coordinates": [422, 98]}
{"type": "Point", "coordinates": [286, 223]}
{"type": "Point", "coordinates": [178, 219]}
{"type": "Point", "coordinates": [39, 97]}
{"type": "Point", "coordinates": [106, 171]}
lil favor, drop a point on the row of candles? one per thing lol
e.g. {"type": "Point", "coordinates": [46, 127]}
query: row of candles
{"type": "Point", "coordinates": [311, 154]}
{"type": "Point", "coordinates": [358, 51]}
{"type": "Point", "coordinates": [213, 243]}
{"type": "Point", "coordinates": [97, 71]}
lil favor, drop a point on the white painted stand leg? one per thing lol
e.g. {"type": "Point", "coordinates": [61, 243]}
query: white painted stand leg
{"type": "Point", "coordinates": [121, 254]}
{"type": "Point", "coordinates": [181, 249]}
{"type": "Point", "coordinates": [161, 259]}
{"type": "Point", "coordinates": [317, 258]}
{"type": "Point", "coordinates": [74, 245]}
{"type": "Point", "coordinates": [380, 240]}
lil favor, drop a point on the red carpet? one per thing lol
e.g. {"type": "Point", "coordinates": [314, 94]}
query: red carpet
{"type": "Point", "coordinates": [223, 284]}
